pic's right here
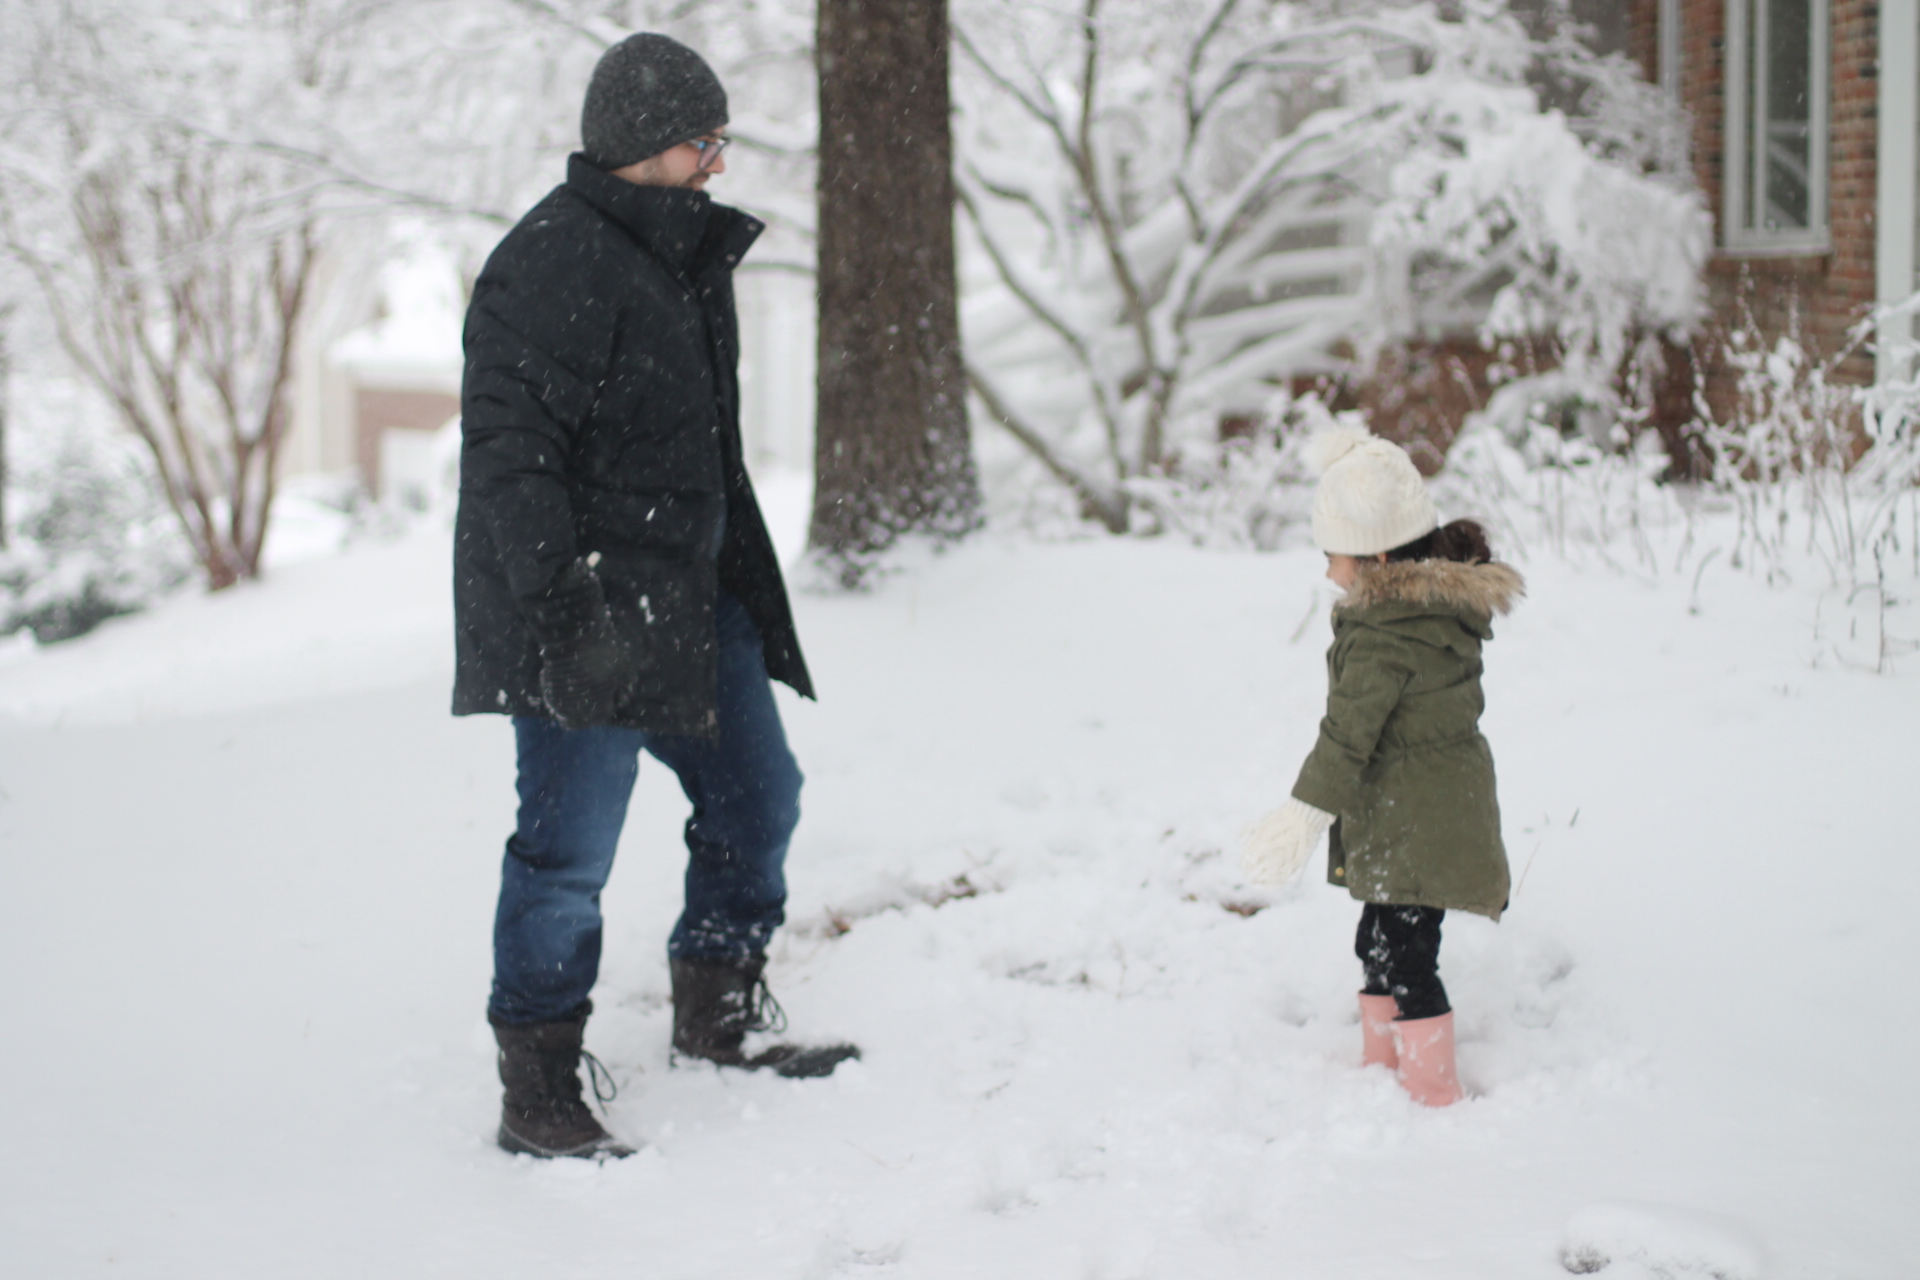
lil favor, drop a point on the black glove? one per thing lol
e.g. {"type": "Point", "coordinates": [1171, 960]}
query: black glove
{"type": "Point", "coordinates": [585, 671]}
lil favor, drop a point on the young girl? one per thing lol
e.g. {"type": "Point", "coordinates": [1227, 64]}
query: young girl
{"type": "Point", "coordinates": [1400, 772]}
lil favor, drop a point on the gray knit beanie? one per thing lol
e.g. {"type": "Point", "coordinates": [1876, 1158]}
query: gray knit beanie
{"type": "Point", "coordinates": [648, 93]}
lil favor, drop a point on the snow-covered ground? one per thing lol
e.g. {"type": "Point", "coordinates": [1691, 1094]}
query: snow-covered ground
{"type": "Point", "coordinates": [247, 864]}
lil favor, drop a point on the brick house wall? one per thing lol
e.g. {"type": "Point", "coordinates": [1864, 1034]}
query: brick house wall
{"type": "Point", "coordinates": [1643, 36]}
{"type": "Point", "coordinates": [377, 410]}
{"type": "Point", "coordinates": [1818, 297]}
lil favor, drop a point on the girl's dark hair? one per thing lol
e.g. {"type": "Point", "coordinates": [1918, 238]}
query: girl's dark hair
{"type": "Point", "coordinates": [1463, 540]}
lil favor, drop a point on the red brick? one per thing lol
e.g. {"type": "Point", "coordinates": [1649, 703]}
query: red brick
{"type": "Point", "coordinates": [1821, 296]}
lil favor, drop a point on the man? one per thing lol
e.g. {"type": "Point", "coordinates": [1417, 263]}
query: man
{"type": "Point", "coordinates": [615, 589]}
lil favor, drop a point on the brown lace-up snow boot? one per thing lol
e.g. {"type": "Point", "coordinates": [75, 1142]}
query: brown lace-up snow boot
{"type": "Point", "coordinates": [542, 1113]}
{"type": "Point", "coordinates": [717, 1002]}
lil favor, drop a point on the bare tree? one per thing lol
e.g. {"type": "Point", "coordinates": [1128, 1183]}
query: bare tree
{"type": "Point", "coordinates": [186, 318]}
{"type": "Point", "coordinates": [1168, 240]}
{"type": "Point", "coordinates": [892, 454]}
{"type": "Point", "coordinates": [1183, 205]}
{"type": "Point", "coordinates": [174, 262]}
{"type": "Point", "coordinates": [173, 173]}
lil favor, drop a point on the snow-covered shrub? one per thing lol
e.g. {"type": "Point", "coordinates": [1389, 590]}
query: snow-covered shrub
{"type": "Point", "coordinates": [1546, 469]}
{"type": "Point", "coordinates": [89, 536]}
{"type": "Point", "coordinates": [1592, 237]}
{"type": "Point", "coordinates": [1890, 421]}
{"type": "Point", "coordinates": [1246, 491]}
{"type": "Point", "coordinates": [1786, 452]}
{"type": "Point", "coordinates": [1816, 467]}
{"type": "Point", "coordinates": [1808, 478]}
{"type": "Point", "coordinates": [1253, 490]}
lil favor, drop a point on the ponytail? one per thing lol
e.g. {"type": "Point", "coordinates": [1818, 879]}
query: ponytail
{"type": "Point", "coordinates": [1463, 541]}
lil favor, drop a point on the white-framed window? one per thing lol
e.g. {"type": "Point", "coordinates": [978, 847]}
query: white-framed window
{"type": "Point", "coordinates": [1776, 84]}
{"type": "Point", "coordinates": [1667, 46]}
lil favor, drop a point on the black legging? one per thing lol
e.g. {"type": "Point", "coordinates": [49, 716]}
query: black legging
{"type": "Point", "coordinates": [1400, 949]}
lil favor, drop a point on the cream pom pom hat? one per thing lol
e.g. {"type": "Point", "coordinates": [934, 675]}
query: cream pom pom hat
{"type": "Point", "coordinates": [1371, 497]}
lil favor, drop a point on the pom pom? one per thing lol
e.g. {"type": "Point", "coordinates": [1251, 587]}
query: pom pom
{"type": "Point", "coordinates": [1329, 446]}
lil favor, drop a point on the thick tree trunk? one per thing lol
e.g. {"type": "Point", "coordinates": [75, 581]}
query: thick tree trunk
{"type": "Point", "coordinates": [891, 453]}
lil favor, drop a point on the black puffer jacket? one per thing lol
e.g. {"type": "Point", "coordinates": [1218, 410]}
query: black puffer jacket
{"type": "Point", "coordinates": [600, 413]}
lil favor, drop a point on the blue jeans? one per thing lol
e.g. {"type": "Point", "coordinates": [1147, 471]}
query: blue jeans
{"type": "Point", "coordinates": [574, 786]}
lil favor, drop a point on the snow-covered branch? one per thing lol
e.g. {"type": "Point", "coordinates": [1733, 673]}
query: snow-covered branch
{"type": "Point", "coordinates": [1306, 186]}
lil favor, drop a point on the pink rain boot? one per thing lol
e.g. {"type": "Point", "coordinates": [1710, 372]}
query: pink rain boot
{"type": "Point", "coordinates": [1425, 1046]}
{"type": "Point", "coordinates": [1376, 1031]}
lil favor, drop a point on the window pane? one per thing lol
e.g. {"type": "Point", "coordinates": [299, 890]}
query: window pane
{"type": "Point", "coordinates": [1788, 128]}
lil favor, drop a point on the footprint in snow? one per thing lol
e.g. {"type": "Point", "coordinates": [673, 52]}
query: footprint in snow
{"type": "Point", "coordinates": [1629, 1241]}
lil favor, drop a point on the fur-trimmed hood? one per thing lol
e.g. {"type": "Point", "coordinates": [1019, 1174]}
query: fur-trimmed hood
{"type": "Point", "coordinates": [1486, 589]}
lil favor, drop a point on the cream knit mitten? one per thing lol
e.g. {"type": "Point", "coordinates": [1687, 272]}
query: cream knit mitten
{"type": "Point", "coordinates": [1277, 846]}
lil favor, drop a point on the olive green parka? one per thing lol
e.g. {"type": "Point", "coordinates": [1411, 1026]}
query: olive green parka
{"type": "Point", "coordinates": [1400, 760]}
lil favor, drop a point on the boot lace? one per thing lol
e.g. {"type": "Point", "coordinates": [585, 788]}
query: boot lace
{"type": "Point", "coordinates": [763, 1011]}
{"type": "Point", "coordinates": [604, 1089]}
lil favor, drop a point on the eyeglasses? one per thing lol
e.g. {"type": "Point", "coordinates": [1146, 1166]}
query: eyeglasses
{"type": "Point", "coordinates": [710, 149]}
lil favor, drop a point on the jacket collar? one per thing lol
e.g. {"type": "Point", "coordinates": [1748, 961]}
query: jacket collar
{"type": "Point", "coordinates": [686, 231]}
{"type": "Point", "coordinates": [1484, 589]}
